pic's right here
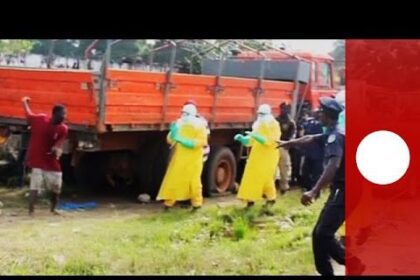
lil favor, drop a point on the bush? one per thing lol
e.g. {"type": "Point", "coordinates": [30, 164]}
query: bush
{"type": "Point", "coordinates": [240, 229]}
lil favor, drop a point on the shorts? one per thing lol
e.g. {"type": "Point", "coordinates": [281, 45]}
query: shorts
{"type": "Point", "coordinates": [50, 180]}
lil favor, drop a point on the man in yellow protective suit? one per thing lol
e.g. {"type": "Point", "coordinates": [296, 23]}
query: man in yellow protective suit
{"type": "Point", "coordinates": [258, 178]}
{"type": "Point", "coordinates": [182, 180]}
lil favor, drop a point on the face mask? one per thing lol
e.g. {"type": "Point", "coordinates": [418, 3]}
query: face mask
{"type": "Point", "coordinates": [186, 117]}
{"type": "Point", "coordinates": [263, 117]}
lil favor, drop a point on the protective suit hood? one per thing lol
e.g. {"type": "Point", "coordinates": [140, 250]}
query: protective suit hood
{"type": "Point", "coordinates": [264, 116]}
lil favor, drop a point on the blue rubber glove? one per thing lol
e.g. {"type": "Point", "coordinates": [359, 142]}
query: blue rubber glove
{"type": "Point", "coordinates": [259, 138]}
{"type": "Point", "coordinates": [243, 139]}
{"type": "Point", "coordinates": [187, 143]}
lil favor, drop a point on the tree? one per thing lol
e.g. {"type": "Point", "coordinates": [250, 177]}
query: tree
{"type": "Point", "coordinates": [144, 47]}
{"type": "Point", "coordinates": [41, 47]}
{"type": "Point", "coordinates": [66, 48]}
{"type": "Point", "coordinates": [339, 55]}
{"type": "Point", "coordinates": [125, 49]}
{"type": "Point", "coordinates": [259, 45]}
{"type": "Point", "coordinates": [189, 53]}
{"type": "Point", "coordinates": [16, 47]}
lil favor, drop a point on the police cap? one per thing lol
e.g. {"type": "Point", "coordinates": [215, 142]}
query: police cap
{"type": "Point", "coordinates": [330, 104]}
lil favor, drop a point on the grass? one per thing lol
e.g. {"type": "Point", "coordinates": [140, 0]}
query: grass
{"type": "Point", "coordinates": [213, 241]}
{"type": "Point", "coordinates": [13, 198]}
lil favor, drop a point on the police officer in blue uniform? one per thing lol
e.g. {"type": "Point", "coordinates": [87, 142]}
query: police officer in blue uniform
{"type": "Point", "coordinates": [313, 154]}
{"type": "Point", "coordinates": [324, 243]}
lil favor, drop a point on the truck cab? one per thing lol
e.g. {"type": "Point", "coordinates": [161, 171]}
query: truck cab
{"type": "Point", "coordinates": [313, 74]}
{"type": "Point", "coordinates": [322, 80]}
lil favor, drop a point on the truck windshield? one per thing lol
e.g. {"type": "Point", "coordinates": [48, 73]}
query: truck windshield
{"type": "Point", "coordinates": [324, 75]}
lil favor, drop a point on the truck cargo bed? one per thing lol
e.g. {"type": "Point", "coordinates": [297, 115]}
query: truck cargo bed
{"type": "Point", "coordinates": [135, 100]}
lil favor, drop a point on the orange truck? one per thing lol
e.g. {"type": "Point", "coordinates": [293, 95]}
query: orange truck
{"type": "Point", "coordinates": [119, 119]}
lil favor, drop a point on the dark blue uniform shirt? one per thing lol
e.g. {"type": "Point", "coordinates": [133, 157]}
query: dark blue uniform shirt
{"type": "Point", "coordinates": [313, 151]}
{"type": "Point", "coordinates": [333, 142]}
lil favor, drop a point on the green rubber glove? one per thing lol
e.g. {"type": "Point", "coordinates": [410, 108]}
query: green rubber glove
{"type": "Point", "coordinates": [243, 139]}
{"type": "Point", "coordinates": [187, 143]}
{"type": "Point", "coordinates": [259, 138]}
{"type": "Point", "coordinates": [238, 137]}
{"type": "Point", "coordinates": [341, 124]}
{"type": "Point", "coordinates": [173, 131]}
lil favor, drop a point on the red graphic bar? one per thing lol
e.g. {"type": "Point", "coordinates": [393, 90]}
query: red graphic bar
{"type": "Point", "coordinates": [383, 93]}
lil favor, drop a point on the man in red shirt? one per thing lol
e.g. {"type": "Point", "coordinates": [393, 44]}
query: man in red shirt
{"type": "Point", "coordinates": [45, 148]}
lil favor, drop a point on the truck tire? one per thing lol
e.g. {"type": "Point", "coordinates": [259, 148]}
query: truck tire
{"type": "Point", "coordinates": [219, 171]}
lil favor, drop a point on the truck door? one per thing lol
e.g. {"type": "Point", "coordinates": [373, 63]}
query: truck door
{"type": "Point", "coordinates": [322, 82]}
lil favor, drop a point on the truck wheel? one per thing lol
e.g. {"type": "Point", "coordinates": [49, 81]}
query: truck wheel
{"type": "Point", "coordinates": [220, 171]}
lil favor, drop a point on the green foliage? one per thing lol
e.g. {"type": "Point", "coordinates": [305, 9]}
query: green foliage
{"type": "Point", "coordinates": [16, 47]}
{"type": "Point", "coordinates": [339, 52]}
{"type": "Point", "coordinates": [188, 54]}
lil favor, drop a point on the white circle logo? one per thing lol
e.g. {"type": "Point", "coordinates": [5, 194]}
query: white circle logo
{"type": "Point", "coordinates": [382, 157]}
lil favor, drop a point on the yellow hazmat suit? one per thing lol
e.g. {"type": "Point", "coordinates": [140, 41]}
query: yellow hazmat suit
{"type": "Point", "coordinates": [182, 180]}
{"type": "Point", "coordinates": [260, 169]}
